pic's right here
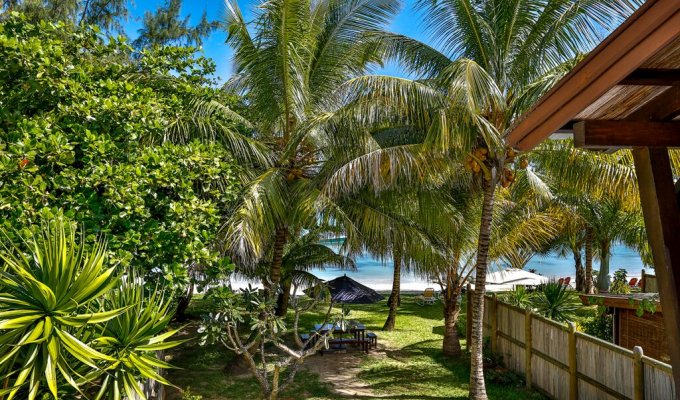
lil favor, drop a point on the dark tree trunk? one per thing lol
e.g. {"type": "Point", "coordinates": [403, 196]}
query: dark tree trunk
{"type": "Point", "coordinates": [588, 287]}
{"type": "Point", "coordinates": [394, 296]}
{"type": "Point", "coordinates": [272, 283]}
{"type": "Point", "coordinates": [183, 303]}
{"type": "Point", "coordinates": [284, 298]}
{"type": "Point", "coordinates": [477, 386]}
{"type": "Point", "coordinates": [580, 271]}
{"type": "Point", "coordinates": [603, 276]}
{"type": "Point", "coordinates": [389, 299]}
{"type": "Point", "coordinates": [451, 345]}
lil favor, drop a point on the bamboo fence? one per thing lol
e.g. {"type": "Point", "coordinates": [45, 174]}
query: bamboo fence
{"type": "Point", "coordinates": [562, 363]}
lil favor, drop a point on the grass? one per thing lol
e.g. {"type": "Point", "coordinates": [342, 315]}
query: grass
{"type": "Point", "coordinates": [412, 366]}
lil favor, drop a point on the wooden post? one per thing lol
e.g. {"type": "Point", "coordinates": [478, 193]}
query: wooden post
{"type": "Point", "coordinates": [638, 374]}
{"type": "Point", "coordinates": [527, 347]}
{"type": "Point", "coordinates": [662, 220]}
{"type": "Point", "coordinates": [468, 323]}
{"type": "Point", "coordinates": [573, 378]}
{"type": "Point", "coordinates": [493, 321]}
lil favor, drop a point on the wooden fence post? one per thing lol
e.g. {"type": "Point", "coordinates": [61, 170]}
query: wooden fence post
{"type": "Point", "coordinates": [638, 374]}
{"type": "Point", "coordinates": [573, 377]}
{"type": "Point", "coordinates": [527, 347]}
{"type": "Point", "coordinates": [493, 320]}
{"type": "Point", "coordinates": [468, 323]}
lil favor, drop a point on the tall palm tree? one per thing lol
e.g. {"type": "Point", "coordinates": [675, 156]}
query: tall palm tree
{"type": "Point", "coordinates": [521, 226]}
{"type": "Point", "coordinates": [290, 63]}
{"type": "Point", "coordinates": [497, 58]}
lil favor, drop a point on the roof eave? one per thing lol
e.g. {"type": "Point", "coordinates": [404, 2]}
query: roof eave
{"type": "Point", "coordinates": [652, 27]}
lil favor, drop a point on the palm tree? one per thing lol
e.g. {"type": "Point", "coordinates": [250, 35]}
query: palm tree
{"type": "Point", "coordinates": [289, 65]}
{"type": "Point", "coordinates": [497, 59]}
{"type": "Point", "coordinates": [305, 252]}
{"type": "Point", "coordinates": [598, 195]}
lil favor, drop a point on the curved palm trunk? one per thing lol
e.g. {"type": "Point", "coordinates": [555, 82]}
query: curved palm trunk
{"type": "Point", "coordinates": [580, 271]}
{"type": "Point", "coordinates": [451, 345]}
{"type": "Point", "coordinates": [277, 261]}
{"type": "Point", "coordinates": [284, 298]}
{"type": "Point", "coordinates": [183, 303]}
{"type": "Point", "coordinates": [394, 296]}
{"type": "Point", "coordinates": [603, 276]}
{"type": "Point", "coordinates": [588, 286]}
{"type": "Point", "coordinates": [477, 386]}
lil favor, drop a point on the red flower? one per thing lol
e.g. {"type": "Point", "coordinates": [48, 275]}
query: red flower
{"type": "Point", "coordinates": [23, 162]}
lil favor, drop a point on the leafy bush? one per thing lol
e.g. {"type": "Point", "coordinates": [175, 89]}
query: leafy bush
{"type": "Point", "coordinates": [600, 326]}
{"type": "Point", "coordinates": [91, 127]}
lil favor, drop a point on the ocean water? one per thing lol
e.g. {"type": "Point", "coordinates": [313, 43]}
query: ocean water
{"type": "Point", "coordinates": [377, 274]}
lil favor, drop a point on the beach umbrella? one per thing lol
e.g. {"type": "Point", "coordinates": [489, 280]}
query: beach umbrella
{"type": "Point", "coordinates": [515, 276]}
{"type": "Point", "coordinates": [348, 291]}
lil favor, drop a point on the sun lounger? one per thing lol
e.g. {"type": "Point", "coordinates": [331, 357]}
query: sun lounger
{"type": "Point", "coordinates": [427, 297]}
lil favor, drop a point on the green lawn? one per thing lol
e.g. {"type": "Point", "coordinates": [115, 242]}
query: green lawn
{"type": "Point", "coordinates": [410, 367]}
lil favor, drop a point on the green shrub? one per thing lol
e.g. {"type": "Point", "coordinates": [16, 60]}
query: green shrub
{"type": "Point", "coordinates": [600, 326]}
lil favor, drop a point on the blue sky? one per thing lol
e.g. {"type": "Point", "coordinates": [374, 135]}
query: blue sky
{"type": "Point", "coordinates": [407, 23]}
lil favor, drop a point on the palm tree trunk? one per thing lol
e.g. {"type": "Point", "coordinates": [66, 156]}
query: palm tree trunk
{"type": "Point", "coordinates": [284, 298]}
{"type": "Point", "coordinates": [183, 303]}
{"type": "Point", "coordinates": [394, 296]}
{"type": "Point", "coordinates": [603, 276]}
{"type": "Point", "coordinates": [277, 260]}
{"type": "Point", "coordinates": [588, 287]}
{"type": "Point", "coordinates": [477, 386]}
{"type": "Point", "coordinates": [451, 345]}
{"type": "Point", "coordinates": [580, 272]}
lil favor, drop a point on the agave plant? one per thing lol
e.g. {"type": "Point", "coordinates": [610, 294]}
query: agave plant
{"type": "Point", "coordinates": [132, 338]}
{"type": "Point", "coordinates": [555, 302]}
{"type": "Point", "coordinates": [45, 300]}
{"type": "Point", "coordinates": [518, 297]}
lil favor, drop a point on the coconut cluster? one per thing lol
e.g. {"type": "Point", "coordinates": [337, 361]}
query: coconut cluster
{"type": "Point", "coordinates": [474, 161]}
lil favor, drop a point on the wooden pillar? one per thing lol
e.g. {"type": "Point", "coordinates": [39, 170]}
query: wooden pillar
{"type": "Point", "coordinates": [662, 222]}
{"type": "Point", "coordinates": [527, 347]}
{"type": "Point", "coordinates": [468, 314]}
{"type": "Point", "coordinates": [573, 377]}
{"type": "Point", "coordinates": [638, 374]}
{"type": "Point", "coordinates": [493, 320]}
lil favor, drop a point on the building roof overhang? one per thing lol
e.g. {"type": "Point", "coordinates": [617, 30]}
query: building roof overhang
{"type": "Point", "coordinates": [633, 75]}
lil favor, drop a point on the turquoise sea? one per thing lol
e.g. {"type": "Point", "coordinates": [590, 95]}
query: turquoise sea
{"type": "Point", "coordinates": [378, 273]}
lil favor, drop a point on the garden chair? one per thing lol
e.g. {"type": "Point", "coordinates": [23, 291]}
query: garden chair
{"type": "Point", "coordinates": [428, 297]}
{"type": "Point", "coordinates": [560, 281]}
{"type": "Point", "coordinates": [633, 282]}
{"type": "Point", "coordinates": [567, 281]}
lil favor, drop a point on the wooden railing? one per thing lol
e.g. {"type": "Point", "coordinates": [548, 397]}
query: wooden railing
{"type": "Point", "coordinates": [562, 363]}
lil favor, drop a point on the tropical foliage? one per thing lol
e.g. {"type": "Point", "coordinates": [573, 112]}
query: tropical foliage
{"type": "Point", "coordinates": [87, 128]}
{"type": "Point", "coordinates": [497, 59]}
{"type": "Point", "coordinates": [556, 302]}
{"type": "Point", "coordinates": [66, 320]}
{"type": "Point", "coordinates": [290, 65]}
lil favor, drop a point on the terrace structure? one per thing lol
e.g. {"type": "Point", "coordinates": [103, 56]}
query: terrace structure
{"type": "Point", "coordinates": [626, 94]}
{"type": "Point", "coordinates": [631, 327]}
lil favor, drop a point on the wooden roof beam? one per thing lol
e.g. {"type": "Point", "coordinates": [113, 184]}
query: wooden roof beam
{"type": "Point", "coordinates": [653, 77]}
{"type": "Point", "coordinates": [663, 107]}
{"type": "Point", "coordinates": [604, 134]}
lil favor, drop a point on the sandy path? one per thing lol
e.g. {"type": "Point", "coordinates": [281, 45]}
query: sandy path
{"type": "Point", "coordinates": [341, 370]}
